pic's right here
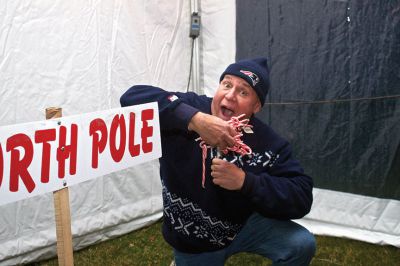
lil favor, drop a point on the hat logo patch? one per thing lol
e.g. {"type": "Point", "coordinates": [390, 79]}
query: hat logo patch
{"type": "Point", "coordinates": [254, 78]}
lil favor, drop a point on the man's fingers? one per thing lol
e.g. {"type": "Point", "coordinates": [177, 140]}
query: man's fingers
{"type": "Point", "coordinates": [223, 144]}
{"type": "Point", "coordinates": [216, 161]}
{"type": "Point", "coordinates": [217, 181]}
{"type": "Point", "coordinates": [217, 168]}
{"type": "Point", "coordinates": [213, 130]}
{"type": "Point", "coordinates": [230, 142]}
{"type": "Point", "coordinates": [232, 131]}
{"type": "Point", "coordinates": [231, 138]}
{"type": "Point", "coordinates": [225, 140]}
{"type": "Point", "coordinates": [226, 174]}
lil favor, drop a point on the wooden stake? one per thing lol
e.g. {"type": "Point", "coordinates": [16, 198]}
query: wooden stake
{"type": "Point", "coordinates": [62, 212]}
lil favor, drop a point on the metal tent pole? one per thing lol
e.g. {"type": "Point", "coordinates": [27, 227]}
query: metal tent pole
{"type": "Point", "coordinates": [195, 25]}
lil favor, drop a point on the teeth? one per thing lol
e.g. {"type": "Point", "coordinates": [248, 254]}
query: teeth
{"type": "Point", "coordinates": [226, 111]}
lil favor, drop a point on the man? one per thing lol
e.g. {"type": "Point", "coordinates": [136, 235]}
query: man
{"type": "Point", "coordinates": [247, 201]}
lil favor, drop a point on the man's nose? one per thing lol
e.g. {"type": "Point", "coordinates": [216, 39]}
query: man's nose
{"type": "Point", "coordinates": [230, 95]}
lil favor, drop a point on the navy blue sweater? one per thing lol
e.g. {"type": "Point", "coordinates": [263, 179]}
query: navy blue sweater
{"type": "Point", "coordinates": [198, 219]}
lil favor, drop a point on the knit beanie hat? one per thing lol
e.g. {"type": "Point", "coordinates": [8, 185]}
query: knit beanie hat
{"type": "Point", "coordinates": [255, 72]}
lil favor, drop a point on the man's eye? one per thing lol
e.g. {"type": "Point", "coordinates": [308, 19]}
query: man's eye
{"type": "Point", "coordinates": [244, 93]}
{"type": "Point", "coordinates": [227, 85]}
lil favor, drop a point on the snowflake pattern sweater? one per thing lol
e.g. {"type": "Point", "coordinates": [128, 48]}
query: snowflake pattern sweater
{"type": "Point", "coordinates": [198, 219]}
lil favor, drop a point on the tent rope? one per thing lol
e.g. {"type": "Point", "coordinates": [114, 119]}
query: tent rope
{"type": "Point", "coordinates": [335, 100]}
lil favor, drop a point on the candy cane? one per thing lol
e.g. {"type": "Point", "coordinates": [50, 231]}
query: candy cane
{"type": "Point", "coordinates": [239, 147]}
{"type": "Point", "coordinates": [204, 148]}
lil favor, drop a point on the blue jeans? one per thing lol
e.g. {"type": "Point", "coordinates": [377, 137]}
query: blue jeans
{"type": "Point", "coordinates": [283, 242]}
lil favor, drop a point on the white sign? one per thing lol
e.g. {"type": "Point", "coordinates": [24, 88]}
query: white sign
{"type": "Point", "coordinates": [45, 156]}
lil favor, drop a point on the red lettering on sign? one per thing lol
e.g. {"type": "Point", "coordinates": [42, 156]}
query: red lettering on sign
{"type": "Point", "coordinates": [98, 130]}
{"type": "Point", "coordinates": [19, 167]}
{"type": "Point", "coordinates": [44, 136]}
{"type": "Point", "coordinates": [147, 131]}
{"type": "Point", "coordinates": [134, 149]}
{"type": "Point", "coordinates": [117, 122]}
{"type": "Point", "coordinates": [67, 151]}
{"type": "Point", "coordinates": [1, 165]}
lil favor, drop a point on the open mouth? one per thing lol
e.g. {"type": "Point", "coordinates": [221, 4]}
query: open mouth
{"type": "Point", "coordinates": [227, 112]}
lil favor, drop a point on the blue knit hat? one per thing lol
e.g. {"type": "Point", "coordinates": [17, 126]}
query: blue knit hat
{"type": "Point", "coordinates": [255, 72]}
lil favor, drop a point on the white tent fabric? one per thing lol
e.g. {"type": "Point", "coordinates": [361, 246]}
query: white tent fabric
{"type": "Point", "coordinates": [81, 56]}
{"type": "Point", "coordinates": [359, 217]}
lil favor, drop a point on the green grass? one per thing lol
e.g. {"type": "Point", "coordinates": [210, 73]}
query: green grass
{"type": "Point", "coordinates": [147, 247]}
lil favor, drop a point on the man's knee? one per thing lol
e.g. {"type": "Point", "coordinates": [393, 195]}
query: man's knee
{"type": "Point", "coordinates": [308, 244]}
{"type": "Point", "coordinates": [302, 248]}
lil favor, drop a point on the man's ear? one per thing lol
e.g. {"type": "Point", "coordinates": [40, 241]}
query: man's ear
{"type": "Point", "coordinates": [257, 107]}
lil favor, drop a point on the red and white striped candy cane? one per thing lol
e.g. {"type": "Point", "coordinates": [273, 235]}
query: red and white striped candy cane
{"type": "Point", "coordinates": [239, 147]}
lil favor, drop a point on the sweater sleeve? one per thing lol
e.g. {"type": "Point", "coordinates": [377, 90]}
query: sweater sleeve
{"type": "Point", "coordinates": [174, 111]}
{"type": "Point", "coordinates": [283, 192]}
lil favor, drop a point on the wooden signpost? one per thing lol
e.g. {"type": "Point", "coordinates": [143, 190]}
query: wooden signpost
{"type": "Point", "coordinates": [62, 212]}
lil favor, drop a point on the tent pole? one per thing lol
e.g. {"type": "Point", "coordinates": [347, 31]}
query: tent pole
{"type": "Point", "coordinates": [194, 8]}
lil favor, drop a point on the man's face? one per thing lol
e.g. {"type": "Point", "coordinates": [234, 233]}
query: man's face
{"type": "Point", "coordinates": [233, 98]}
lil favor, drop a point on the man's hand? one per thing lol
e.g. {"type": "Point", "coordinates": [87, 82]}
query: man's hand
{"type": "Point", "coordinates": [227, 175]}
{"type": "Point", "coordinates": [213, 130]}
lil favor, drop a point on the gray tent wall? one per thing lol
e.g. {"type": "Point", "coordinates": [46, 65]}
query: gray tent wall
{"type": "Point", "coordinates": [337, 66]}
{"type": "Point", "coordinates": [335, 74]}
